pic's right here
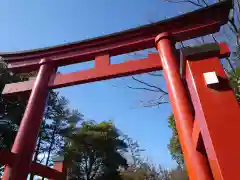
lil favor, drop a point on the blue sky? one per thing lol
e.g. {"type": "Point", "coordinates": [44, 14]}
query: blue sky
{"type": "Point", "coordinates": [27, 24]}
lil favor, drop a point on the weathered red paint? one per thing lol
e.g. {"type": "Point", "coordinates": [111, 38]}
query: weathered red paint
{"type": "Point", "coordinates": [102, 61]}
{"type": "Point", "coordinates": [8, 158]}
{"type": "Point", "coordinates": [103, 70]}
{"type": "Point", "coordinates": [100, 72]}
{"type": "Point", "coordinates": [60, 167]}
{"type": "Point", "coordinates": [24, 144]}
{"type": "Point", "coordinates": [196, 135]}
{"type": "Point", "coordinates": [195, 161]}
{"type": "Point", "coordinates": [198, 23]}
{"type": "Point", "coordinates": [217, 113]}
{"type": "Point", "coordinates": [44, 171]}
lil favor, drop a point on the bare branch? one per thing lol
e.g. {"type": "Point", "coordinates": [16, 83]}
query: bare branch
{"type": "Point", "coordinates": [155, 102]}
{"type": "Point", "coordinates": [230, 64]}
{"type": "Point", "coordinates": [202, 38]}
{"type": "Point", "coordinates": [214, 38]}
{"type": "Point", "coordinates": [185, 1]}
{"type": "Point", "coordinates": [205, 2]}
{"type": "Point", "coordinates": [149, 85]}
{"type": "Point", "coordinates": [233, 26]}
{"type": "Point", "coordinates": [146, 89]}
{"type": "Point", "coordinates": [42, 158]}
{"type": "Point", "coordinates": [182, 45]}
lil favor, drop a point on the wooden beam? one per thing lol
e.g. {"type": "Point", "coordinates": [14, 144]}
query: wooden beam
{"type": "Point", "coordinates": [152, 63]}
{"type": "Point", "coordinates": [198, 23]}
{"type": "Point", "coordinates": [104, 70]}
{"type": "Point", "coordinates": [45, 171]}
{"type": "Point", "coordinates": [7, 157]}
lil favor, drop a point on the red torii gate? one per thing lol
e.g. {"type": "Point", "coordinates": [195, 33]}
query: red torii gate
{"type": "Point", "coordinates": [207, 138]}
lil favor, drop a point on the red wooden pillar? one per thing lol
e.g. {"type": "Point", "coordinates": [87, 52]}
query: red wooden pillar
{"type": "Point", "coordinates": [195, 161]}
{"type": "Point", "coordinates": [59, 165]}
{"type": "Point", "coordinates": [218, 116]}
{"type": "Point", "coordinates": [24, 144]}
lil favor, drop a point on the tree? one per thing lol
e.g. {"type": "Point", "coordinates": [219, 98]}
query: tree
{"type": "Point", "coordinates": [59, 119]}
{"type": "Point", "coordinates": [174, 144]}
{"type": "Point", "coordinates": [233, 72]}
{"type": "Point", "coordinates": [229, 33]}
{"type": "Point", "coordinates": [140, 169]}
{"type": "Point", "coordinates": [133, 154]}
{"type": "Point", "coordinates": [11, 107]}
{"type": "Point", "coordinates": [148, 171]}
{"type": "Point", "coordinates": [95, 151]}
{"type": "Point", "coordinates": [57, 116]}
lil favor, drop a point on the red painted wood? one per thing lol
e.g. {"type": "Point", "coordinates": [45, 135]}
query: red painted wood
{"type": "Point", "coordinates": [25, 141]}
{"type": "Point", "coordinates": [218, 113]}
{"type": "Point", "coordinates": [99, 73]}
{"type": "Point", "coordinates": [60, 166]}
{"type": "Point", "coordinates": [197, 138]}
{"type": "Point", "coordinates": [198, 23]}
{"type": "Point", "coordinates": [222, 52]}
{"type": "Point", "coordinates": [47, 172]}
{"type": "Point", "coordinates": [103, 70]}
{"type": "Point", "coordinates": [196, 162]}
{"type": "Point", "coordinates": [102, 61]}
{"type": "Point", "coordinates": [6, 157]}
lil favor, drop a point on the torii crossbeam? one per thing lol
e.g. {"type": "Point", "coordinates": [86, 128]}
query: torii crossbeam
{"type": "Point", "coordinates": [200, 140]}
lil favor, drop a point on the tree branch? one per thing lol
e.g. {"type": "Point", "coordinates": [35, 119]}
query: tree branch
{"type": "Point", "coordinates": [182, 45]}
{"type": "Point", "coordinates": [185, 1]}
{"type": "Point", "coordinates": [146, 89]}
{"type": "Point", "coordinates": [230, 64]}
{"type": "Point", "coordinates": [42, 158]}
{"type": "Point", "coordinates": [155, 102]}
{"type": "Point", "coordinates": [214, 38]}
{"type": "Point", "coordinates": [233, 25]}
{"type": "Point", "coordinates": [149, 85]}
{"type": "Point", "coordinates": [205, 2]}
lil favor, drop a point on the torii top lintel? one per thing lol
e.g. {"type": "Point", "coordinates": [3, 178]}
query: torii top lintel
{"type": "Point", "coordinates": [194, 24]}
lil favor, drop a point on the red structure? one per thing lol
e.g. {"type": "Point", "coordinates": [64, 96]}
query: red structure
{"type": "Point", "coordinates": [201, 108]}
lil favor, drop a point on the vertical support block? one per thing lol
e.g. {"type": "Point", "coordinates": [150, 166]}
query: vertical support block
{"type": "Point", "coordinates": [218, 116]}
{"type": "Point", "coordinates": [102, 61]}
{"type": "Point", "coordinates": [195, 161]}
{"type": "Point", "coordinates": [59, 165]}
{"type": "Point", "coordinates": [25, 142]}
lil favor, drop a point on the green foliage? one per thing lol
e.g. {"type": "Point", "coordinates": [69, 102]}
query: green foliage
{"type": "Point", "coordinates": [147, 171]}
{"type": "Point", "coordinates": [174, 144]}
{"type": "Point", "coordinates": [11, 107]}
{"type": "Point", "coordinates": [58, 121]}
{"type": "Point", "coordinates": [57, 117]}
{"type": "Point", "coordinates": [134, 153]}
{"type": "Point", "coordinates": [95, 151]}
{"type": "Point", "coordinates": [235, 82]}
